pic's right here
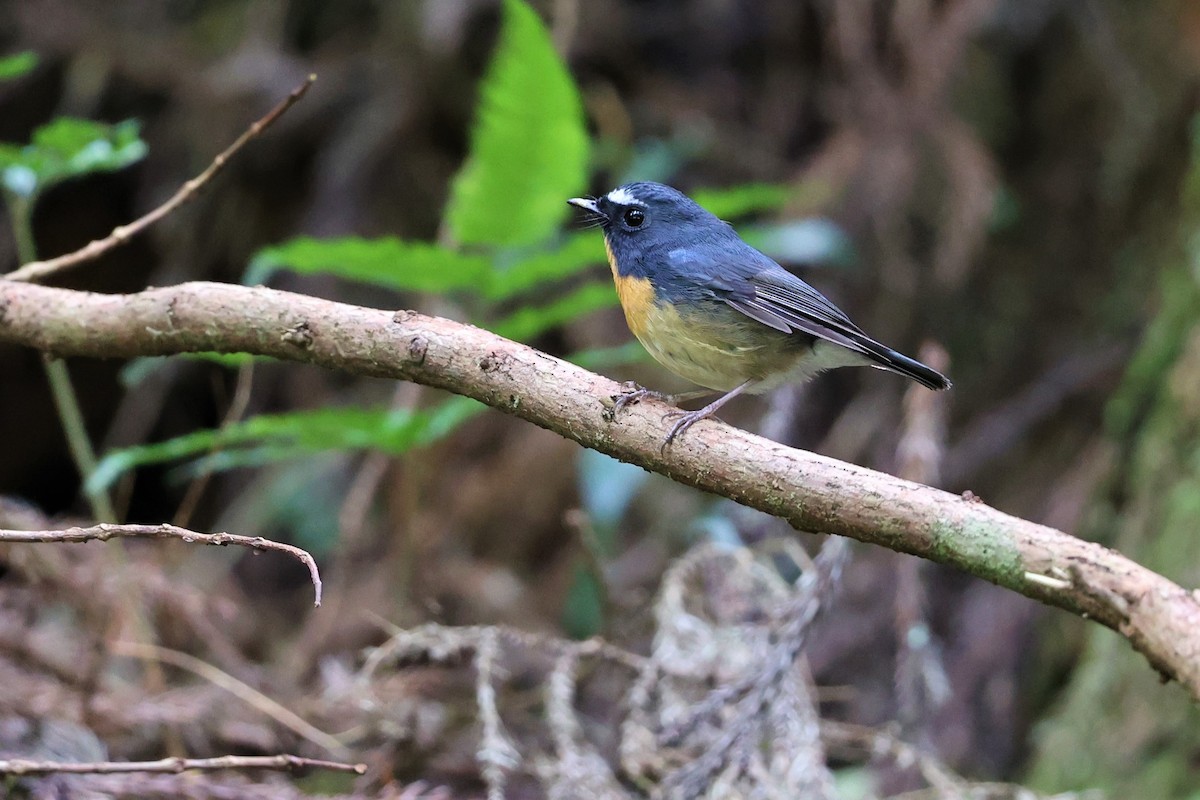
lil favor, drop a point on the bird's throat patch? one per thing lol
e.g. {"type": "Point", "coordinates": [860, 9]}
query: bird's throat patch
{"type": "Point", "coordinates": [636, 295]}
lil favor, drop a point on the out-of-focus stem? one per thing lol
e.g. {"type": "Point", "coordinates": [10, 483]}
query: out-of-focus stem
{"type": "Point", "coordinates": [66, 401]}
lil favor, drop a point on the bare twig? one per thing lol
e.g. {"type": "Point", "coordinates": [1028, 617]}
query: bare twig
{"type": "Point", "coordinates": [560, 705]}
{"type": "Point", "coordinates": [855, 741]}
{"type": "Point", "coordinates": [812, 493]}
{"type": "Point", "coordinates": [288, 763]}
{"type": "Point", "coordinates": [443, 642]}
{"type": "Point", "coordinates": [844, 737]}
{"type": "Point", "coordinates": [104, 531]}
{"type": "Point", "coordinates": [576, 768]}
{"type": "Point", "coordinates": [39, 270]}
{"type": "Point", "coordinates": [243, 691]}
{"type": "Point", "coordinates": [496, 755]}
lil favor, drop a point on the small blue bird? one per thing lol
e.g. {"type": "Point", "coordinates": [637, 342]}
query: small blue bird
{"type": "Point", "coordinates": [714, 310]}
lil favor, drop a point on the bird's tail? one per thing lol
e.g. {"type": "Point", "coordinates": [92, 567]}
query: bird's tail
{"type": "Point", "coordinates": [889, 359]}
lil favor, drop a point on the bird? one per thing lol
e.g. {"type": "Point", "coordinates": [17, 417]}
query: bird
{"type": "Point", "coordinates": [716, 311]}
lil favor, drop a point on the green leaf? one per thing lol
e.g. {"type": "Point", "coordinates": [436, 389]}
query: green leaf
{"type": "Point", "coordinates": [580, 251]}
{"type": "Point", "coordinates": [530, 321]}
{"type": "Point", "coordinates": [67, 148]}
{"type": "Point", "coordinates": [388, 262]}
{"type": "Point", "coordinates": [18, 64]}
{"type": "Point", "coordinates": [230, 360]}
{"type": "Point", "coordinates": [529, 145]}
{"type": "Point", "coordinates": [273, 437]}
{"type": "Point", "coordinates": [738, 201]}
{"type": "Point", "coordinates": [424, 267]}
{"type": "Point", "coordinates": [302, 498]}
{"type": "Point", "coordinates": [583, 609]}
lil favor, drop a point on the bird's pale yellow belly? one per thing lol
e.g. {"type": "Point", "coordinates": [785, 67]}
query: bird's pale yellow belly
{"type": "Point", "coordinates": [715, 348]}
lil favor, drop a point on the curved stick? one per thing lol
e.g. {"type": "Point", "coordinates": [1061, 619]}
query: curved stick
{"type": "Point", "coordinates": [813, 493]}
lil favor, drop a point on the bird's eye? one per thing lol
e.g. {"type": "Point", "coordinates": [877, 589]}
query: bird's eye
{"type": "Point", "coordinates": [634, 217]}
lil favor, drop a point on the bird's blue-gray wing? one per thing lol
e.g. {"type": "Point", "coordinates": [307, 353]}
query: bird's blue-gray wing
{"type": "Point", "coordinates": [756, 286]}
{"type": "Point", "coordinates": [762, 290]}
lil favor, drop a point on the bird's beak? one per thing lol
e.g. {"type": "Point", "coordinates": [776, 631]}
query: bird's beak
{"type": "Point", "coordinates": [586, 203]}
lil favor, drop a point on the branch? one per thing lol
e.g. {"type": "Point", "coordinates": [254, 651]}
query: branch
{"type": "Point", "coordinates": [105, 531]}
{"type": "Point", "coordinates": [40, 270]}
{"type": "Point", "coordinates": [812, 493]}
{"type": "Point", "coordinates": [285, 762]}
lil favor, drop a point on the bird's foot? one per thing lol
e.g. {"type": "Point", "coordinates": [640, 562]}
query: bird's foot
{"type": "Point", "coordinates": [683, 421]}
{"type": "Point", "coordinates": [631, 394]}
{"type": "Point", "coordinates": [686, 419]}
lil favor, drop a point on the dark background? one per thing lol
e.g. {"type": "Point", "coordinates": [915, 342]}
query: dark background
{"type": "Point", "coordinates": [1013, 175]}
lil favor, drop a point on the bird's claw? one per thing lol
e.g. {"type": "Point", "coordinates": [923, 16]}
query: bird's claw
{"type": "Point", "coordinates": [686, 419]}
{"type": "Point", "coordinates": [632, 394]}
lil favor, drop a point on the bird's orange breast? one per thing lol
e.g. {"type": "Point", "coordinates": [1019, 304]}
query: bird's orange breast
{"type": "Point", "coordinates": [636, 295]}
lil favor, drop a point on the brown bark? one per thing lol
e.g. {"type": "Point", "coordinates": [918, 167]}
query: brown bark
{"type": "Point", "coordinates": [812, 493]}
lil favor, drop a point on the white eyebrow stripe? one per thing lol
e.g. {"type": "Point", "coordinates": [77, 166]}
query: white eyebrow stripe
{"type": "Point", "coordinates": [624, 198]}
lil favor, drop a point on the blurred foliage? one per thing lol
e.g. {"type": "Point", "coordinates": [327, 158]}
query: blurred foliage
{"type": "Point", "coordinates": [387, 262]}
{"type": "Point", "coordinates": [607, 488]}
{"type": "Point", "coordinates": [302, 497]}
{"type": "Point", "coordinates": [1164, 338]}
{"type": "Point", "coordinates": [426, 267]}
{"type": "Point", "coordinates": [529, 148]}
{"type": "Point", "coordinates": [274, 437]}
{"type": "Point", "coordinates": [67, 148]}
{"type": "Point", "coordinates": [1007, 171]}
{"type": "Point", "coordinates": [804, 241]}
{"type": "Point", "coordinates": [529, 151]}
{"type": "Point", "coordinates": [59, 150]}
{"type": "Point", "coordinates": [137, 370]}
{"type": "Point", "coordinates": [742, 200]}
{"type": "Point", "coordinates": [18, 64]}
{"type": "Point", "coordinates": [1117, 727]}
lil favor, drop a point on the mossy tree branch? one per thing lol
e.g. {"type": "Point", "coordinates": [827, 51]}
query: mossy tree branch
{"type": "Point", "coordinates": [1159, 618]}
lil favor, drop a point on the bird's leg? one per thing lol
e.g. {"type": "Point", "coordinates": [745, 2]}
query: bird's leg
{"type": "Point", "coordinates": [632, 393]}
{"type": "Point", "coordinates": [689, 418]}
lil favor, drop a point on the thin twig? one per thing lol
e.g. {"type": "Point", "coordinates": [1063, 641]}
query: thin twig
{"type": "Point", "coordinates": [441, 642]}
{"type": "Point", "coordinates": [284, 762]}
{"type": "Point", "coordinates": [104, 531]}
{"type": "Point", "coordinates": [844, 736]}
{"type": "Point", "coordinates": [560, 705]}
{"type": "Point", "coordinates": [39, 270]}
{"type": "Point", "coordinates": [253, 697]}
